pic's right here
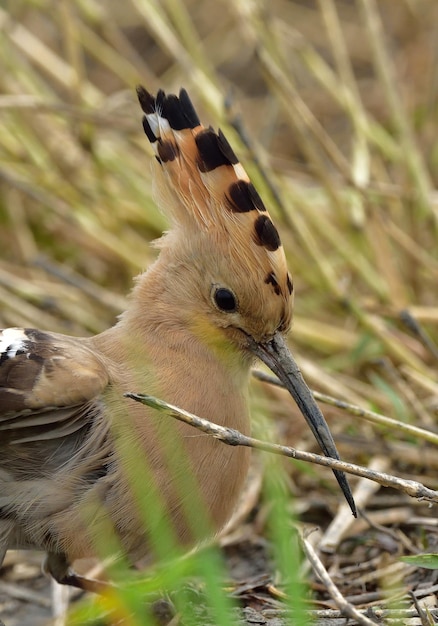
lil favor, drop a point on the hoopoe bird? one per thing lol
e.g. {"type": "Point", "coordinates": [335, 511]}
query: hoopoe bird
{"type": "Point", "coordinates": [218, 295]}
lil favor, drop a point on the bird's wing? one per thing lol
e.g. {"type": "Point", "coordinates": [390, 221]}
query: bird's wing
{"type": "Point", "coordinates": [48, 384]}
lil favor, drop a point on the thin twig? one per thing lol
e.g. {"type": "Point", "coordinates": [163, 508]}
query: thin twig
{"type": "Point", "coordinates": [233, 437]}
{"type": "Point", "coordinates": [422, 612]}
{"type": "Point", "coordinates": [370, 416]}
{"type": "Point", "coordinates": [345, 607]}
{"type": "Point", "coordinates": [341, 523]}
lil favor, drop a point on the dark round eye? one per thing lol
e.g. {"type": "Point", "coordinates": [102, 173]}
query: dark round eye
{"type": "Point", "coordinates": [225, 300]}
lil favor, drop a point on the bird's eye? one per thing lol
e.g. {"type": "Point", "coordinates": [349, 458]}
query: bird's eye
{"type": "Point", "coordinates": [225, 300]}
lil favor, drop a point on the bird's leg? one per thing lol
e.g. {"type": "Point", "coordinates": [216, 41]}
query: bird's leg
{"type": "Point", "coordinates": [57, 565]}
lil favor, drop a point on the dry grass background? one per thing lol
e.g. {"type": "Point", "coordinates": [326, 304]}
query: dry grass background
{"type": "Point", "coordinates": [332, 107]}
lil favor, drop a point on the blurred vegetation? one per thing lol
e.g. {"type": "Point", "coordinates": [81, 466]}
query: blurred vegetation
{"type": "Point", "coordinates": [332, 106]}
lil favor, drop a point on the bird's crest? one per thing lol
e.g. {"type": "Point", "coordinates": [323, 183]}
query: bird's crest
{"type": "Point", "coordinates": [203, 186]}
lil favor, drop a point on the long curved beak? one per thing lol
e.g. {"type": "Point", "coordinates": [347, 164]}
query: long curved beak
{"type": "Point", "coordinates": [276, 355]}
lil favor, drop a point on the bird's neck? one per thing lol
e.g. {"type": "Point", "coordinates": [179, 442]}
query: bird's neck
{"type": "Point", "coordinates": [184, 361]}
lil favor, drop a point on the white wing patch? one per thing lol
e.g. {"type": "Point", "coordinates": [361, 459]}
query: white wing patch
{"type": "Point", "coordinates": [12, 340]}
